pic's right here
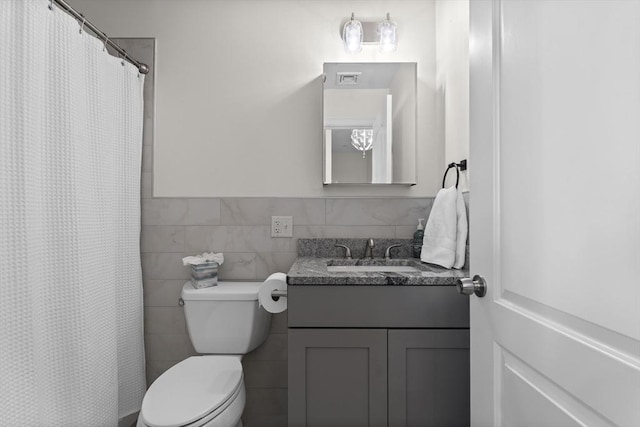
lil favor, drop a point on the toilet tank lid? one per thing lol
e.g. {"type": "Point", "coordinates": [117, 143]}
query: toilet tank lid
{"type": "Point", "coordinates": [224, 291]}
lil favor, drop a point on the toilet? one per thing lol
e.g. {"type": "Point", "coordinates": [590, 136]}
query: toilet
{"type": "Point", "coordinates": [224, 322]}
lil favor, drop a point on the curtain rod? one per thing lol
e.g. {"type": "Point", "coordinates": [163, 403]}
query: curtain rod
{"type": "Point", "coordinates": [142, 68]}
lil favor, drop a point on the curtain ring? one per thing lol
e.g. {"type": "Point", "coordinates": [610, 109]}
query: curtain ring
{"type": "Point", "coordinates": [50, 4]}
{"type": "Point", "coordinates": [83, 21]}
{"type": "Point", "coordinates": [124, 52]}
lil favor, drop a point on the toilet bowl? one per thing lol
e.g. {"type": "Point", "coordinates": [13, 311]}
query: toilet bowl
{"type": "Point", "coordinates": [224, 322]}
{"type": "Point", "coordinates": [201, 391]}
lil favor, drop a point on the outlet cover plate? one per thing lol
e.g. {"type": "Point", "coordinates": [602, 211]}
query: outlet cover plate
{"type": "Point", "coordinates": [281, 226]}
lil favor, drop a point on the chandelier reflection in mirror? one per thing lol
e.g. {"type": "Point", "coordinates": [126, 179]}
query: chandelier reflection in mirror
{"type": "Point", "coordinates": [362, 140]}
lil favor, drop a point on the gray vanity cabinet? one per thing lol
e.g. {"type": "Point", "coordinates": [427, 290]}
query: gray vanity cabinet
{"type": "Point", "coordinates": [338, 377]}
{"type": "Point", "coordinates": [428, 377]}
{"type": "Point", "coordinates": [378, 356]}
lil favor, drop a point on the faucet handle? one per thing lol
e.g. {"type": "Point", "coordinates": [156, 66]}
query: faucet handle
{"type": "Point", "coordinates": [347, 251]}
{"type": "Point", "coordinates": [368, 251]}
{"type": "Point", "coordinates": [387, 252]}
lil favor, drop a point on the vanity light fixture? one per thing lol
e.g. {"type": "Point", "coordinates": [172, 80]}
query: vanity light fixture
{"type": "Point", "coordinates": [356, 33]}
{"type": "Point", "coordinates": [352, 35]}
{"type": "Point", "coordinates": [387, 33]}
{"type": "Point", "coordinates": [362, 140]}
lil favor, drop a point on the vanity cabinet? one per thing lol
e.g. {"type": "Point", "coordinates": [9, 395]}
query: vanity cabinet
{"type": "Point", "coordinates": [338, 377]}
{"type": "Point", "coordinates": [378, 356]}
{"type": "Point", "coordinates": [428, 377]}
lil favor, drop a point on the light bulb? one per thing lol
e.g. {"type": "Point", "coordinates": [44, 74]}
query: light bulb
{"type": "Point", "coordinates": [388, 35]}
{"type": "Point", "coordinates": [352, 36]}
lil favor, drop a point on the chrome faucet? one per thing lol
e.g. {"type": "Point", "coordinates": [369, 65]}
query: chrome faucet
{"type": "Point", "coordinates": [387, 252]}
{"type": "Point", "coordinates": [368, 252]}
{"type": "Point", "coordinates": [347, 251]}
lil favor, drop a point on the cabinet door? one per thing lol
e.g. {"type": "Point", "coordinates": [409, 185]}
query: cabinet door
{"type": "Point", "coordinates": [337, 377]}
{"type": "Point", "coordinates": [428, 377]}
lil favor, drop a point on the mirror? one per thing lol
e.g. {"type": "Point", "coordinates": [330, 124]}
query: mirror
{"type": "Point", "coordinates": [369, 123]}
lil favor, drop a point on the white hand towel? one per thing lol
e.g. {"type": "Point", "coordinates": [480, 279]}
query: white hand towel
{"type": "Point", "coordinates": [462, 231]}
{"type": "Point", "coordinates": [439, 245]}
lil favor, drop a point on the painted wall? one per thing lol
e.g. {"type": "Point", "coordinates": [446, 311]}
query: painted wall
{"type": "Point", "coordinates": [452, 81]}
{"type": "Point", "coordinates": [238, 90]}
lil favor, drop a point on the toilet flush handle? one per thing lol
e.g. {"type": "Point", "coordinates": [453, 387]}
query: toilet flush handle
{"type": "Point", "coordinates": [180, 302]}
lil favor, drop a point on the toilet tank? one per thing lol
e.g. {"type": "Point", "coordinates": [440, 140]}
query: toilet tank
{"type": "Point", "coordinates": [225, 319]}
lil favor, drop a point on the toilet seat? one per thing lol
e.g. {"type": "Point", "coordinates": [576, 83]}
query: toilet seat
{"type": "Point", "coordinates": [192, 392]}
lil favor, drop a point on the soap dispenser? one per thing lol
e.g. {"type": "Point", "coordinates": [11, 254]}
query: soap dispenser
{"type": "Point", "coordinates": [418, 236]}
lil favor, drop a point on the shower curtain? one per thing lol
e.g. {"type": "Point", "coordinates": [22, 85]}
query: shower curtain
{"type": "Point", "coordinates": [71, 339]}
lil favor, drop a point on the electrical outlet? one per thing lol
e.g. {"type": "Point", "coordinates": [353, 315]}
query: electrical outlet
{"type": "Point", "coordinates": [281, 226]}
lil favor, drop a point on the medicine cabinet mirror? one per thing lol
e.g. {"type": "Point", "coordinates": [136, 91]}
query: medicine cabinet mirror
{"type": "Point", "coordinates": [369, 123]}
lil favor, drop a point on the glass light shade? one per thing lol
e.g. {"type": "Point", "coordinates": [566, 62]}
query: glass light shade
{"type": "Point", "coordinates": [362, 140]}
{"type": "Point", "coordinates": [388, 36]}
{"type": "Point", "coordinates": [352, 35]}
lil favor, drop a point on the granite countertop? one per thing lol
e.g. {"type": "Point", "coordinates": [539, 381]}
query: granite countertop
{"type": "Point", "coordinates": [313, 271]}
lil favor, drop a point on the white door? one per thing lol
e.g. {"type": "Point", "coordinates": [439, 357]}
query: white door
{"type": "Point", "coordinates": [555, 212]}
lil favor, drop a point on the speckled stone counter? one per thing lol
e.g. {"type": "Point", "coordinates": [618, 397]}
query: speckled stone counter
{"type": "Point", "coordinates": [313, 271]}
{"type": "Point", "coordinates": [315, 255]}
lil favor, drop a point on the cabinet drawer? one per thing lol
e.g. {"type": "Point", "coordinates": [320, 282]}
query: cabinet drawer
{"type": "Point", "coordinates": [377, 307]}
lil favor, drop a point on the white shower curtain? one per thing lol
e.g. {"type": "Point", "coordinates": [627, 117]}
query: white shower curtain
{"type": "Point", "coordinates": [71, 339]}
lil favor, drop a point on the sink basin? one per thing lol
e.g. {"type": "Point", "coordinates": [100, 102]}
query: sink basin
{"type": "Point", "coordinates": [372, 269]}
